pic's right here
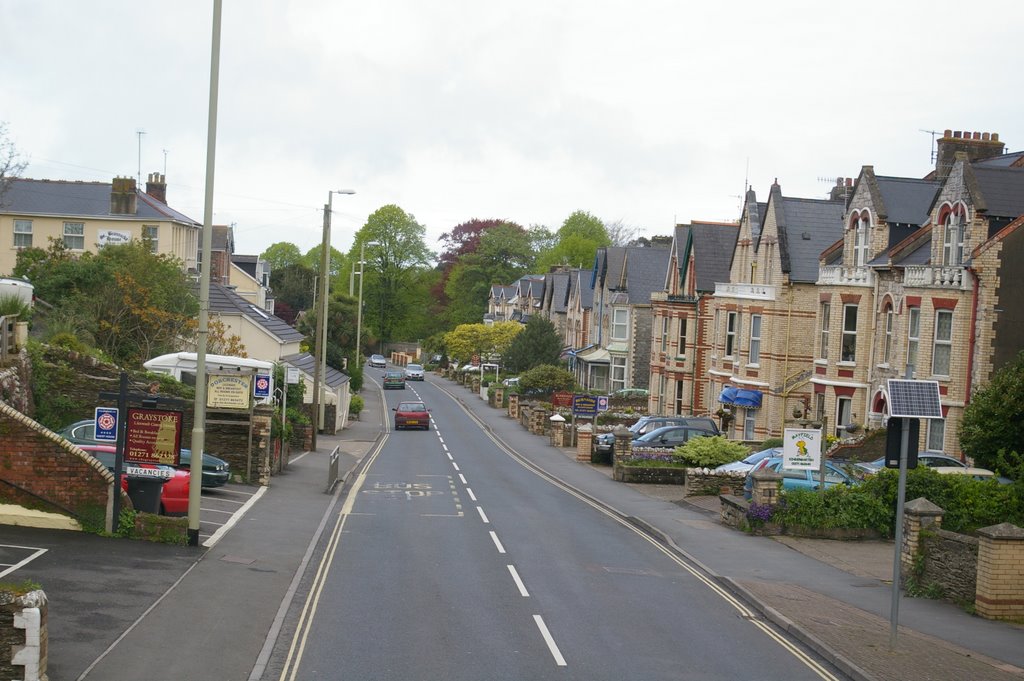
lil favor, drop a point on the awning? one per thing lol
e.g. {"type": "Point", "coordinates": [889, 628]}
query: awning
{"type": "Point", "coordinates": [740, 397]}
{"type": "Point", "coordinates": [595, 356]}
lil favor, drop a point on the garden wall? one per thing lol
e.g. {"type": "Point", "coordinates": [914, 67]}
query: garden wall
{"type": "Point", "coordinates": [951, 560]}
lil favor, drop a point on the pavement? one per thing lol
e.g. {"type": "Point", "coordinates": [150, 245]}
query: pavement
{"type": "Point", "coordinates": [834, 596]}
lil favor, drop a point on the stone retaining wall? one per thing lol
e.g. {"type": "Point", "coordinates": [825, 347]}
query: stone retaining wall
{"type": "Point", "coordinates": [23, 636]}
{"type": "Point", "coordinates": [701, 481]}
{"type": "Point", "coordinates": [652, 475]}
{"type": "Point", "coordinates": [951, 560]}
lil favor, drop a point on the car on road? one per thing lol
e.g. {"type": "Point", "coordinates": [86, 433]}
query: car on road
{"type": "Point", "coordinates": [414, 372]}
{"type": "Point", "coordinates": [798, 478]}
{"type": "Point", "coordinates": [173, 494]}
{"type": "Point", "coordinates": [394, 380]}
{"type": "Point", "coordinates": [605, 442]}
{"type": "Point", "coordinates": [412, 415]}
{"type": "Point", "coordinates": [216, 471]}
{"type": "Point", "coordinates": [378, 361]}
{"type": "Point", "coordinates": [631, 393]}
{"type": "Point", "coordinates": [670, 437]}
{"type": "Point", "coordinates": [744, 465]}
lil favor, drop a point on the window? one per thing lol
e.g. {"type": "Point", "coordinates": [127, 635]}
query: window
{"type": "Point", "coordinates": [598, 377]}
{"type": "Point", "coordinates": [755, 339]}
{"type": "Point", "coordinates": [749, 418]}
{"type": "Point", "coordinates": [943, 342]}
{"type": "Point", "coordinates": [680, 387]}
{"type": "Point", "coordinates": [618, 373]}
{"type": "Point", "coordinates": [936, 435]}
{"type": "Point", "coordinates": [860, 243]}
{"type": "Point", "coordinates": [819, 406]}
{"type": "Point", "coordinates": [150, 233]}
{"type": "Point", "coordinates": [953, 239]}
{"type": "Point", "coordinates": [887, 345]}
{"type": "Point", "coordinates": [664, 333]}
{"type": "Point", "coordinates": [824, 313]}
{"type": "Point", "coordinates": [913, 335]}
{"type": "Point", "coordinates": [732, 331]}
{"type": "Point", "coordinates": [844, 415]}
{"type": "Point", "coordinates": [620, 322]}
{"type": "Point", "coordinates": [849, 349]}
{"type": "Point", "coordinates": [681, 351]}
{"type": "Point", "coordinates": [23, 234]}
{"type": "Point", "coordinates": [74, 235]}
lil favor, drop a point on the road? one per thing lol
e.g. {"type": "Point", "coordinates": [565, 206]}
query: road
{"type": "Point", "coordinates": [453, 558]}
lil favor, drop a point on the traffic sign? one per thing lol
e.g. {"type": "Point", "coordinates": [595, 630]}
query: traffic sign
{"type": "Point", "coordinates": [106, 424]}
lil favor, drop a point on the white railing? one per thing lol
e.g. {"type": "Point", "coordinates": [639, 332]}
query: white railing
{"type": "Point", "coordinates": [838, 275]}
{"type": "Point", "coordinates": [938, 277]}
{"type": "Point", "coordinates": [751, 291]}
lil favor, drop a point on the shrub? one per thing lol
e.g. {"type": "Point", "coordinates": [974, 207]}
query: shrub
{"type": "Point", "coordinates": [545, 379]}
{"type": "Point", "coordinates": [708, 452]}
{"type": "Point", "coordinates": [771, 443]}
{"type": "Point", "coordinates": [837, 507]}
{"type": "Point", "coordinates": [356, 405]}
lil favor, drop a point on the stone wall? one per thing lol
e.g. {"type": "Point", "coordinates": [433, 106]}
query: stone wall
{"type": "Point", "coordinates": [702, 481]}
{"type": "Point", "coordinates": [654, 475]}
{"type": "Point", "coordinates": [951, 560]}
{"type": "Point", "coordinates": [24, 637]}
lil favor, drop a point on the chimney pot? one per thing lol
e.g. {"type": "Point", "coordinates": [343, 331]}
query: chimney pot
{"type": "Point", "coordinates": [956, 134]}
{"type": "Point", "coordinates": [849, 182]}
{"type": "Point", "coordinates": [156, 186]}
{"type": "Point", "coordinates": [947, 133]}
{"type": "Point", "coordinates": [984, 137]}
{"type": "Point", "coordinates": [977, 135]}
{"type": "Point", "coordinates": [995, 137]}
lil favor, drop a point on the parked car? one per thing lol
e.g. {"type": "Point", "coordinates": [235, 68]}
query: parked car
{"type": "Point", "coordinates": [394, 380]}
{"type": "Point", "coordinates": [216, 471]}
{"type": "Point", "coordinates": [744, 465]}
{"type": "Point", "coordinates": [798, 478]}
{"type": "Point", "coordinates": [173, 495]}
{"type": "Point", "coordinates": [412, 414]}
{"type": "Point", "coordinates": [930, 459]}
{"type": "Point", "coordinates": [605, 442]}
{"type": "Point", "coordinates": [378, 361]}
{"type": "Point", "coordinates": [509, 382]}
{"type": "Point", "coordinates": [634, 393]}
{"type": "Point", "coordinates": [414, 372]}
{"type": "Point", "coordinates": [670, 437]}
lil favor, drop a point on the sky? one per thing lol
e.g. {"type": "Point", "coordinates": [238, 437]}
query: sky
{"type": "Point", "coordinates": [646, 112]}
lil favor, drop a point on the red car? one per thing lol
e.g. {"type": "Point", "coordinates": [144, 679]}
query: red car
{"type": "Point", "coordinates": [173, 496]}
{"type": "Point", "coordinates": [412, 415]}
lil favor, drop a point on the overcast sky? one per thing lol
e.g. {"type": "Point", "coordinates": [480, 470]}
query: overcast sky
{"type": "Point", "coordinates": [646, 111]}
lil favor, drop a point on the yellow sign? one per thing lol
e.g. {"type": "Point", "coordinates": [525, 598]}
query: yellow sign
{"type": "Point", "coordinates": [228, 391]}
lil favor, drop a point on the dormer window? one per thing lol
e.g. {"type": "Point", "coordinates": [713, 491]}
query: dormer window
{"type": "Point", "coordinates": [953, 227]}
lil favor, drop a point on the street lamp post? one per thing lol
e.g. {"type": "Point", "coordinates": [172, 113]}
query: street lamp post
{"type": "Point", "coordinates": [359, 311]}
{"type": "Point", "coordinates": [320, 349]}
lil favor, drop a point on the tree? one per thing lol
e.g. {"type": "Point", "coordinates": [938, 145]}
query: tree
{"type": "Point", "coordinates": [398, 250]}
{"type": "Point", "coordinates": [293, 287]}
{"type": "Point", "coordinates": [10, 164]}
{"type": "Point", "coordinates": [482, 340]}
{"type": "Point", "coordinates": [578, 239]}
{"type": "Point", "coordinates": [621, 234]}
{"type": "Point", "coordinates": [545, 379]}
{"type": "Point", "coordinates": [993, 420]}
{"type": "Point", "coordinates": [281, 255]}
{"type": "Point", "coordinates": [539, 343]}
{"type": "Point", "coordinates": [503, 254]}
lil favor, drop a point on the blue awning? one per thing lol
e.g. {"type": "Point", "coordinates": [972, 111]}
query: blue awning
{"type": "Point", "coordinates": [740, 397]}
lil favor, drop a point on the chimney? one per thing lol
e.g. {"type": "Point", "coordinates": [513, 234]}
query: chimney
{"type": "Point", "coordinates": [156, 186]}
{"type": "Point", "coordinates": [977, 146]}
{"type": "Point", "coordinates": [843, 189]}
{"type": "Point", "coordinates": [123, 200]}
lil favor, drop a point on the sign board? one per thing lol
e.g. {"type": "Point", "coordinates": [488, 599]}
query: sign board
{"type": "Point", "coordinates": [261, 387]}
{"type": "Point", "coordinates": [801, 449]}
{"type": "Point", "coordinates": [894, 441]}
{"type": "Point", "coordinates": [602, 403]}
{"type": "Point", "coordinates": [152, 436]}
{"type": "Point", "coordinates": [228, 391]}
{"type": "Point", "coordinates": [112, 237]}
{"type": "Point", "coordinates": [106, 424]}
{"type": "Point", "coordinates": [584, 406]}
{"type": "Point", "coordinates": [149, 472]}
{"type": "Point", "coordinates": [291, 375]}
{"type": "Point", "coordinates": [561, 398]}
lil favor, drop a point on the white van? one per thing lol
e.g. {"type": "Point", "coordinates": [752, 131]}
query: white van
{"type": "Point", "coordinates": [17, 288]}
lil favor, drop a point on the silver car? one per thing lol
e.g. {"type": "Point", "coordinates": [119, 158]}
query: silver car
{"type": "Point", "coordinates": [413, 372]}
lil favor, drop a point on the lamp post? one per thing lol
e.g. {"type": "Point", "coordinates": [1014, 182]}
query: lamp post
{"type": "Point", "coordinates": [359, 311]}
{"type": "Point", "coordinates": [320, 370]}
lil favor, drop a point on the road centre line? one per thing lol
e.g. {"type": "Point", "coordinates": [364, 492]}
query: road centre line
{"type": "Point", "coordinates": [450, 457]}
{"type": "Point", "coordinates": [463, 479]}
{"type": "Point", "coordinates": [552, 646]}
{"type": "Point", "coordinates": [519, 582]}
{"type": "Point", "coordinates": [497, 542]}
{"type": "Point", "coordinates": [483, 516]}
{"type": "Point", "coordinates": [470, 493]}
{"type": "Point", "coordinates": [456, 465]}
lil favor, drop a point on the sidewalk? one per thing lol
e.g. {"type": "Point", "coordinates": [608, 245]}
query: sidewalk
{"type": "Point", "coordinates": [834, 596]}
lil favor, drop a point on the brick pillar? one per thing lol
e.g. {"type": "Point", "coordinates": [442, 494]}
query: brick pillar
{"type": "Point", "coordinates": [499, 397]}
{"type": "Point", "coordinates": [766, 487]}
{"type": "Point", "coordinates": [623, 447]}
{"type": "Point", "coordinates": [513, 405]}
{"type": "Point", "coordinates": [28, 647]}
{"type": "Point", "coordinates": [539, 422]}
{"type": "Point", "coordinates": [584, 442]}
{"type": "Point", "coordinates": [557, 430]}
{"type": "Point", "coordinates": [261, 440]}
{"type": "Point", "coordinates": [1000, 587]}
{"type": "Point", "coordinates": [919, 514]}
{"type": "Point", "coordinates": [524, 415]}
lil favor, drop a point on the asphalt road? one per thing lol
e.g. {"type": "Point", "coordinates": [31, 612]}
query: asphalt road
{"type": "Point", "coordinates": [455, 559]}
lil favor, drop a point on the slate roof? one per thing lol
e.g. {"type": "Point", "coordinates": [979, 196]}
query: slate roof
{"type": "Point", "coordinates": [81, 199]}
{"type": "Point", "coordinates": [582, 280]}
{"type": "Point", "coordinates": [223, 300]}
{"type": "Point", "coordinates": [1002, 190]}
{"type": "Point", "coordinates": [247, 263]}
{"type": "Point", "coordinates": [559, 288]}
{"type": "Point", "coordinates": [713, 245]}
{"type": "Point", "coordinates": [907, 200]}
{"type": "Point", "coordinates": [645, 272]}
{"type": "Point", "coordinates": [1003, 161]}
{"type": "Point", "coordinates": [806, 228]}
{"type": "Point", "coordinates": [306, 363]}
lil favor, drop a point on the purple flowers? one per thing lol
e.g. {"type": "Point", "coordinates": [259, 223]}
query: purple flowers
{"type": "Point", "coordinates": [758, 514]}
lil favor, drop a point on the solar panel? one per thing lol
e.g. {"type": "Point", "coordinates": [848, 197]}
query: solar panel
{"type": "Point", "coordinates": [914, 399]}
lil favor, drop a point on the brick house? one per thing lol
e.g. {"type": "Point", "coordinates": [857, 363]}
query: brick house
{"type": "Point", "coordinates": [683, 315]}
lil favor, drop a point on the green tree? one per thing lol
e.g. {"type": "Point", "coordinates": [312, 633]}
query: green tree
{"type": "Point", "coordinates": [504, 253]}
{"type": "Point", "coordinates": [994, 419]}
{"type": "Point", "coordinates": [546, 379]}
{"type": "Point", "coordinates": [484, 340]}
{"type": "Point", "coordinates": [539, 343]}
{"type": "Point", "coordinates": [281, 255]}
{"type": "Point", "coordinates": [293, 287]}
{"type": "Point", "coordinates": [395, 251]}
{"type": "Point", "coordinates": [577, 241]}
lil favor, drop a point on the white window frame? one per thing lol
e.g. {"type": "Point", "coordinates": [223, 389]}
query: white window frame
{"type": "Point", "coordinates": [862, 234]}
{"type": "Point", "coordinates": [617, 373]}
{"type": "Point", "coordinates": [749, 421]}
{"type": "Point", "coordinates": [152, 233]}
{"type": "Point", "coordinates": [953, 229]}
{"type": "Point", "coordinates": [681, 350]}
{"type": "Point", "coordinates": [843, 403]}
{"type": "Point", "coordinates": [732, 334]}
{"type": "Point", "coordinates": [754, 357]}
{"type": "Point", "coordinates": [913, 336]}
{"type": "Point", "coordinates": [664, 333]}
{"type": "Point", "coordinates": [23, 234]}
{"type": "Point", "coordinates": [680, 394]}
{"type": "Point", "coordinates": [849, 334]}
{"type": "Point", "coordinates": [935, 440]}
{"type": "Point", "coordinates": [942, 346]}
{"type": "Point", "coordinates": [597, 377]}
{"type": "Point", "coordinates": [825, 312]}
{"type": "Point", "coordinates": [74, 233]}
{"type": "Point", "coordinates": [887, 345]}
{"type": "Point", "coordinates": [620, 324]}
